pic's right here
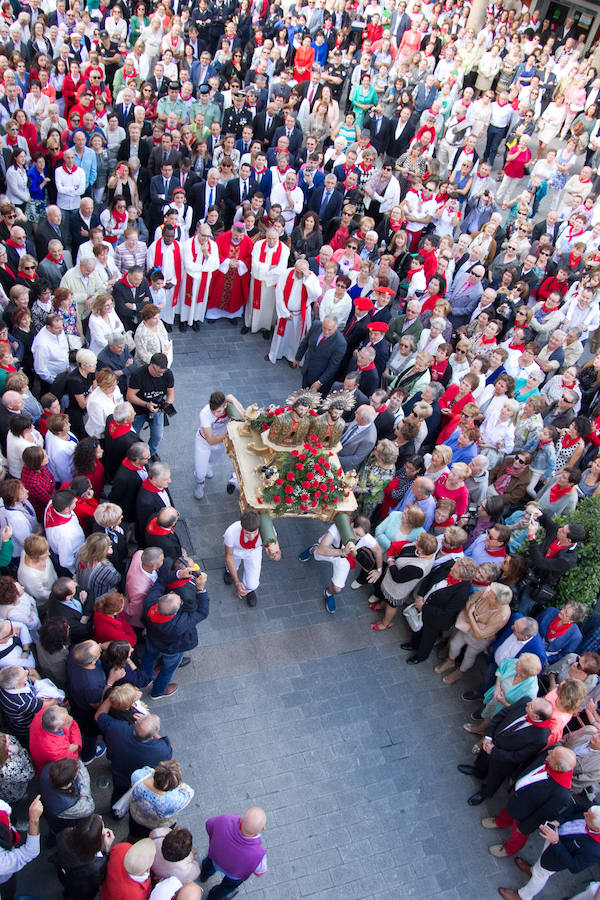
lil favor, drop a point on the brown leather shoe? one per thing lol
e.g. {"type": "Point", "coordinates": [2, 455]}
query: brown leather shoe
{"type": "Point", "coordinates": [509, 894]}
{"type": "Point", "coordinates": [523, 865]}
{"type": "Point", "coordinates": [170, 689]}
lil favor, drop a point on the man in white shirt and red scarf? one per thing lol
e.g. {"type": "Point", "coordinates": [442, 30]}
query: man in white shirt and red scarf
{"type": "Point", "coordinates": [200, 260]}
{"type": "Point", "coordinates": [243, 545]}
{"type": "Point", "coordinates": [295, 292]}
{"type": "Point", "coordinates": [269, 261]}
{"type": "Point", "coordinates": [231, 280]}
{"type": "Point", "coordinates": [418, 207]}
{"type": "Point", "coordinates": [165, 254]}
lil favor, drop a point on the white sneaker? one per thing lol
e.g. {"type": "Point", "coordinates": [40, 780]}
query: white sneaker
{"type": "Point", "coordinates": [373, 599]}
{"type": "Point", "coordinates": [209, 472]}
{"type": "Point", "coordinates": [355, 585]}
{"type": "Point", "coordinates": [199, 492]}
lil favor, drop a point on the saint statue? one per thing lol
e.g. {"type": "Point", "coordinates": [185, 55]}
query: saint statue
{"type": "Point", "coordinates": [293, 426]}
{"type": "Point", "coordinates": [329, 426]}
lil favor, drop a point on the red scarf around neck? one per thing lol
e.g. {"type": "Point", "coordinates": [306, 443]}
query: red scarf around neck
{"type": "Point", "coordinates": [556, 492]}
{"type": "Point", "coordinates": [248, 545]}
{"type": "Point", "coordinates": [556, 628]}
{"type": "Point", "coordinates": [117, 430]}
{"type": "Point", "coordinates": [153, 488]}
{"type": "Point", "coordinates": [562, 778]}
{"type": "Point", "coordinates": [11, 243]}
{"type": "Point", "coordinates": [567, 441]}
{"type": "Point", "coordinates": [451, 581]}
{"type": "Point", "coordinates": [554, 548]}
{"type": "Point", "coordinates": [58, 262]}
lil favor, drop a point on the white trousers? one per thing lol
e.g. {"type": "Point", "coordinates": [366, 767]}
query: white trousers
{"type": "Point", "coordinates": [252, 567]}
{"type": "Point", "coordinates": [474, 646]}
{"type": "Point", "coordinates": [341, 568]}
{"type": "Point", "coordinates": [204, 456]}
{"type": "Point", "coordinates": [589, 893]}
{"type": "Point", "coordinates": [539, 877]}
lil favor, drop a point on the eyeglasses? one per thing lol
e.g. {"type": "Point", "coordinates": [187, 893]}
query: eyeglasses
{"type": "Point", "coordinates": [520, 459]}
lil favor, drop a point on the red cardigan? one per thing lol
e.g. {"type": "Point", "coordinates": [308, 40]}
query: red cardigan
{"type": "Point", "coordinates": [113, 628]}
{"type": "Point", "coordinates": [45, 747]}
{"type": "Point", "coordinates": [118, 885]}
{"type": "Point", "coordinates": [448, 399]}
{"type": "Point", "coordinates": [460, 496]}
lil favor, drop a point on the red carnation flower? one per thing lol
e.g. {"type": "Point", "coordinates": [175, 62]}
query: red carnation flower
{"type": "Point", "coordinates": [258, 500]}
{"type": "Point", "coordinates": [279, 410]}
{"type": "Point", "coordinates": [276, 499]}
{"type": "Point", "coordinates": [307, 446]}
{"type": "Point", "coordinates": [289, 500]}
{"type": "Point", "coordinates": [335, 499]}
{"type": "Point", "coordinates": [314, 503]}
{"type": "Point", "coordinates": [319, 447]}
{"type": "Point", "coordinates": [264, 427]}
{"type": "Point", "coordinates": [317, 494]}
{"type": "Point", "coordinates": [303, 508]}
{"type": "Point", "coordinates": [294, 453]}
{"type": "Point", "coordinates": [305, 484]}
{"type": "Point", "coordinates": [300, 467]}
{"type": "Point", "coordinates": [304, 497]}
{"type": "Point", "coordinates": [324, 506]}
{"type": "Point", "coordinates": [313, 437]}
{"type": "Point", "coordinates": [271, 414]}
{"type": "Point", "coordinates": [302, 457]}
{"type": "Point", "coordinates": [321, 461]}
{"type": "Point", "coordinates": [279, 481]}
{"type": "Point", "coordinates": [290, 476]}
{"type": "Point", "coordinates": [288, 489]}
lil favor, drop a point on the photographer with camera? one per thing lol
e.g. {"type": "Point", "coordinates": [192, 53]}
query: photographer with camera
{"type": "Point", "coordinates": [556, 554]}
{"type": "Point", "coordinates": [151, 392]}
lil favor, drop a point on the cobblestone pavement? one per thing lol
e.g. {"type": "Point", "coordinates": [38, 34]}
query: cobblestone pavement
{"type": "Point", "coordinates": [315, 717]}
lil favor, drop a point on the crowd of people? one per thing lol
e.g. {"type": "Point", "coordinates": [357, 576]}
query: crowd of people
{"type": "Point", "coordinates": [402, 201]}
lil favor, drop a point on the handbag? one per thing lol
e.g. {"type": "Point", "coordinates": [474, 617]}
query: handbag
{"type": "Point", "coordinates": [413, 616]}
{"type": "Point", "coordinates": [365, 558]}
{"type": "Point", "coordinates": [121, 807]}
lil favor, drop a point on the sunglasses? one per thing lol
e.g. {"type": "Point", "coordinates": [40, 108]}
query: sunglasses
{"type": "Point", "coordinates": [29, 267]}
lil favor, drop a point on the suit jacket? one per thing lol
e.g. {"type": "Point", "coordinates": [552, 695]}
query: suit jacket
{"type": "Point", "coordinates": [163, 89]}
{"type": "Point", "coordinates": [443, 605]}
{"type": "Point", "coordinates": [77, 223]}
{"type": "Point", "coordinates": [333, 208]}
{"type": "Point", "coordinates": [358, 447]}
{"type": "Point", "coordinates": [380, 139]}
{"type": "Point", "coordinates": [587, 768]}
{"type": "Point", "coordinates": [539, 802]}
{"type": "Point", "coordinates": [13, 256]}
{"type": "Point", "coordinates": [296, 138]}
{"type": "Point", "coordinates": [46, 233]}
{"type": "Point", "coordinates": [157, 187]}
{"type": "Point", "coordinates": [359, 399]}
{"type": "Point", "coordinates": [122, 295]}
{"type": "Point", "coordinates": [143, 185]}
{"type": "Point", "coordinates": [397, 145]}
{"type": "Point", "coordinates": [574, 852]}
{"type": "Point", "coordinates": [156, 160]}
{"type": "Point", "coordinates": [369, 379]}
{"type": "Point", "coordinates": [147, 504]}
{"type": "Point", "coordinates": [540, 229]}
{"type": "Point", "coordinates": [261, 133]}
{"type": "Point", "coordinates": [124, 120]}
{"type": "Point", "coordinates": [115, 449]}
{"type": "Point", "coordinates": [535, 645]}
{"type": "Point", "coordinates": [124, 491]}
{"type": "Point", "coordinates": [232, 196]}
{"type": "Point", "coordinates": [320, 363]}
{"type": "Point", "coordinates": [513, 748]}
{"type": "Point", "coordinates": [143, 152]}
{"type": "Point", "coordinates": [198, 198]}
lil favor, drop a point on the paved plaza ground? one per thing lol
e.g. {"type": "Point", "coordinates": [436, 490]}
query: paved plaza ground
{"type": "Point", "coordinates": [315, 717]}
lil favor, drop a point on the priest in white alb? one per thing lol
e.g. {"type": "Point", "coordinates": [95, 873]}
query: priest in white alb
{"type": "Point", "coordinates": [200, 260]}
{"type": "Point", "coordinates": [269, 261]}
{"type": "Point", "coordinates": [165, 254]}
{"type": "Point", "coordinates": [296, 291]}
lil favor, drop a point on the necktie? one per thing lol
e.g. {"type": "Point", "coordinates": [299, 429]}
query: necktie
{"type": "Point", "coordinates": [166, 186]}
{"type": "Point", "coordinates": [350, 432]}
{"type": "Point", "coordinates": [324, 202]}
{"type": "Point", "coordinates": [320, 338]}
{"type": "Point", "coordinates": [267, 123]}
{"type": "Point", "coordinates": [288, 132]}
{"type": "Point", "coordinates": [210, 197]}
{"type": "Point", "coordinates": [125, 112]}
{"type": "Point", "coordinates": [164, 155]}
{"type": "Point", "coordinates": [378, 126]}
{"type": "Point", "coordinates": [183, 177]}
{"type": "Point", "coordinates": [245, 191]}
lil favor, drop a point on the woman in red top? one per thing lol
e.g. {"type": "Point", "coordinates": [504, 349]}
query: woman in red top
{"type": "Point", "coordinates": [516, 159]}
{"type": "Point", "coordinates": [86, 461]}
{"type": "Point", "coordinates": [27, 130]}
{"type": "Point", "coordinates": [452, 401]}
{"type": "Point", "coordinates": [303, 60]}
{"type": "Point", "coordinates": [38, 479]}
{"type": "Point", "coordinates": [452, 487]}
{"type": "Point", "coordinates": [109, 622]}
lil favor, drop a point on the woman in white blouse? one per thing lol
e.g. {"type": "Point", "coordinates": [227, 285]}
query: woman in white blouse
{"type": "Point", "coordinates": [498, 432]}
{"type": "Point", "coordinates": [102, 322]}
{"type": "Point", "coordinates": [151, 336]}
{"type": "Point", "coordinates": [101, 402]}
{"type": "Point", "coordinates": [337, 302]}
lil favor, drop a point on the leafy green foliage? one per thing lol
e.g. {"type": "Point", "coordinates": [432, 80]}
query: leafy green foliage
{"type": "Point", "coordinates": [583, 582]}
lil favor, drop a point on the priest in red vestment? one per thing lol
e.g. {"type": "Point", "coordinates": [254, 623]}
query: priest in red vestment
{"type": "Point", "coordinates": [230, 284]}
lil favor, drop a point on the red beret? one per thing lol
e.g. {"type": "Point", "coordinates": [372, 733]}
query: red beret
{"type": "Point", "coordinates": [385, 290]}
{"type": "Point", "coordinates": [364, 304]}
{"type": "Point", "coordinates": [377, 326]}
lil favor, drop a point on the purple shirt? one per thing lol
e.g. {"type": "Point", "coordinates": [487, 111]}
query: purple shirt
{"type": "Point", "coordinates": [236, 855]}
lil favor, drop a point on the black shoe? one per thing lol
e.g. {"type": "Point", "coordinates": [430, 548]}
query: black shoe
{"type": "Point", "coordinates": [266, 357]}
{"type": "Point", "coordinates": [183, 326]}
{"type": "Point", "coordinates": [196, 326]}
{"type": "Point", "coordinates": [251, 598]}
{"type": "Point", "coordinates": [476, 799]}
{"type": "Point", "coordinates": [266, 334]}
{"type": "Point", "coordinates": [467, 769]}
{"type": "Point", "coordinates": [476, 716]}
{"type": "Point", "coordinates": [470, 695]}
{"type": "Point", "coordinates": [244, 329]}
{"type": "Point", "coordinates": [227, 577]}
{"type": "Point", "coordinates": [413, 660]}
{"type": "Point", "coordinates": [155, 458]}
{"type": "Point", "coordinates": [230, 487]}
{"type": "Point", "coordinates": [407, 646]}
{"type": "Point", "coordinates": [169, 328]}
{"type": "Point", "coordinates": [184, 662]}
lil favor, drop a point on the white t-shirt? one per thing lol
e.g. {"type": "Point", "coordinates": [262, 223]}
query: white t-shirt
{"type": "Point", "coordinates": [366, 540]}
{"type": "Point", "coordinates": [232, 536]}
{"type": "Point", "coordinates": [218, 424]}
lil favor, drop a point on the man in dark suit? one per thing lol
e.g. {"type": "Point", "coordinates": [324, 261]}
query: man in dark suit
{"type": "Point", "coordinates": [513, 738]}
{"type": "Point", "coordinates": [81, 224]}
{"type": "Point", "coordinates": [364, 364]}
{"type": "Point", "coordinates": [50, 228]}
{"type": "Point", "coordinates": [134, 146]}
{"type": "Point", "coordinates": [323, 350]}
{"type": "Point", "coordinates": [204, 194]}
{"type": "Point", "coordinates": [311, 90]}
{"type": "Point", "coordinates": [358, 439]}
{"type": "Point", "coordinates": [164, 154]}
{"type": "Point", "coordinates": [325, 200]}
{"type": "Point", "coordinates": [402, 132]}
{"type": "Point", "coordinates": [18, 235]}
{"type": "Point", "coordinates": [158, 81]}
{"type": "Point", "coordinates": [119, 436]}
{"type": "Point", "coordinates": [128, 480]}
{"type": "Point", "coordinates": [125, 110]}
{"type": "Point", "coordinates": [266, 123]}
{"type": "Point", "coordinates": [380, 127]}
{"type": "Point", "coordinates": [161, 193]}
{"type": "Point", "coordinates": [290, 130]}
{"type": "Point", "coordinates": [350, 384]}
{"type": "Point", "coordinates": [142, 181]}
{"type": "Point", "coordinates": [356, 332]}
{"type": "Point", "coordinates": [130, 293]}
{"type": "Point", "coordinates": [237, 190]}
{"type": "Point", "coordinates": [574, 848]}
{"type": "Point", "coordinates": [550, 225]}
{"type": "Point", "coordinates": [540, 793]}
{"type": "Point", "coordinates": [151, 498]}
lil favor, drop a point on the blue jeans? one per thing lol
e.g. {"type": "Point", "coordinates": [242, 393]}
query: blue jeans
{"type": "Point", "coordinates": [526, 601]}
{"type": "Point", "coordinates": [169, 662]}
{"type": "Point", "coordinates": [156, 425]}
{"type": "Point", "coordinates": [494, 139]}
{"type": "Point", "coordinates": [226, 888]}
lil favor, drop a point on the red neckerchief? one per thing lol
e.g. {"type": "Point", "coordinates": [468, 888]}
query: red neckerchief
{"type": "Point", "coordinates": [520, 347]}
{"type": "Point", "coordinates": [154, 528]}
{"type": "Point", "coordinates": [438, 369]}
{"type": "Point", "coordinates": [451, 581]}
{"type": "Point", "coordinates": [545, 308]}
{"type": "Point", "coordinates": [562, 778]}
{"type": "Point", "coordinates": [567, 441]}
{"type": "Point", "coordinates": [396, 226]}
{"type": "Point", "coordinates": [52, 519]}
{"type": "Point", "coordinates": [366, 169]}
{"type": "Point", "coordinates": [366, 368]}
{"type": "Point", "coordinates": [248, 545]}
{"type": "Point", "coordinates": [67, 170]}
{"type": "Point", "coordinates": [117, 430]}
{"type": "Point", "coordinates": [574, 260]}
{"type": "Point", "coordinates": [414, 272]}
{"type": "Point", "coordinates": [154, 489]}
{"type": "Point", "coordinates": [445, 549]}
{"type": "Point", "coordinates": [157, 617]}
{"type": "Point", "coordinates": [58, 262]}
{"type": "Point", "coordinates": [27, 275]}
{"type": "Point", "coordinates": [569, 387]}
{"type": "Point", "coordinates": [484, 340]}
{"type": "Point", "coordinates": [125, 280]}
{"type": "Point", "coordinates": [595, 835]}
{"type": "Point", "coordinates": [177, 583]}
{"type": "Point", "coordinates": [572, 233]}
{"type": "Point", "coordinates": [119, 217]}
{"type": "Point", "coordinates": [554, 548]}
{"type": "Point", "coordinates": [14, 244]}
{"type": "Point", "coordinates": [556, 628]}
{"type": "Point", "coordinates": [395, 548]}
{"type": "Point", "coordinates": [546, 724]}
{"type": "Point", "coordinates": [499, 553]}
{"type": "Point", "coordinates": [129, 465]}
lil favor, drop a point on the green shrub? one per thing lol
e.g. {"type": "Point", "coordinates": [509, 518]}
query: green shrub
{"type": "Point", "coordinates": [583, 582]}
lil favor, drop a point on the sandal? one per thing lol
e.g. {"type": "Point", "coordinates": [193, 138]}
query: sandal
{"type": "Point", "coordinates": [376, 607]}
{"type": "Point", "coordinates": [380, 626]}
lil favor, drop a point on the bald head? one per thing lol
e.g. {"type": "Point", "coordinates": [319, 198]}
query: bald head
{"type": "Point", "coordinates": [189, 891]}
{"type": "Point", "coordinates": [561, 759]}
{"type": "Point", "coordinates": [254, 821]}
{"type": "Point", "coordinates": [12, 400]}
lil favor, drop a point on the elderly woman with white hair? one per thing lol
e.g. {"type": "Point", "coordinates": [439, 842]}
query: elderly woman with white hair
{"type": "Point", "coordinates": [485, 614]}
{"type": "Point", "coordinates": [108, 518]}
{"type": "Point", "coordinates": [498, 432]}
{"type": "Point", "coordinates": [101, 402]}
{"type": "Point", "coordinates": [402, 357]}
{"type": "Point", "coordinates": [432, 337]}
{"type": "Point", "coordinates": [103, 321]}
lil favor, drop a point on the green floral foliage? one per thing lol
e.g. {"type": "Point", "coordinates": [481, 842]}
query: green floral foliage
{"type": "Point", "coordinates": [583, 582]}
